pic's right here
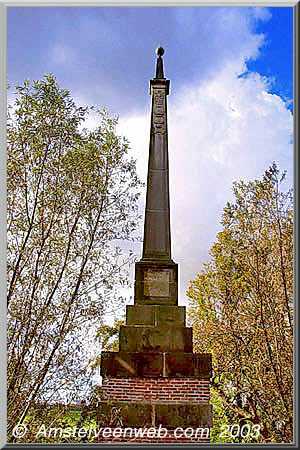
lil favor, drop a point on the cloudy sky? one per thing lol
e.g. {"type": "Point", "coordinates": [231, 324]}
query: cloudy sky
{"type": "Point", "coordinates": [229, 109]}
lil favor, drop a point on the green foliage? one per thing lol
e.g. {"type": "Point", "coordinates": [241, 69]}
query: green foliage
{"type": "Point", "coordinates": [49, 424]}
{"type": "Point", "coordinates": [242, 309]}
{"type": "Point", "coordinates": [108, 337]}
{"type": "Point", "coordinates": [72, 194]}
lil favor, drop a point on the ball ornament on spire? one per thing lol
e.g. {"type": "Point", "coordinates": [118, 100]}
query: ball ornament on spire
{"type": "Point", "coordinates": [159, 51]}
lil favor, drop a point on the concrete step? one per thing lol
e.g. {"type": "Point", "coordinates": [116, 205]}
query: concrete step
{"type": "Point", "coordinates": [143, 414]}
{"type": "Point", "coordinates": [155, 315]}
{"type": "Point", "coordinates": [134, 338]}
{"type": "Point", "coordinates": [156, 364]}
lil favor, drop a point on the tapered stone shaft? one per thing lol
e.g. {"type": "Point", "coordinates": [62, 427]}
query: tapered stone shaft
{"type": "Point", "coordinates": [157, 236]}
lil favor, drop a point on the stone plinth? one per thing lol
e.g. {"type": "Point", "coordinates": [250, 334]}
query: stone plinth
{"type": "Point", "coordinates": [156, 283]}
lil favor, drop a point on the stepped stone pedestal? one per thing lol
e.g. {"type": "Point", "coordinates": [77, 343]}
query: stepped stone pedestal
{"type": "Point", "coordinates": [155, 380]}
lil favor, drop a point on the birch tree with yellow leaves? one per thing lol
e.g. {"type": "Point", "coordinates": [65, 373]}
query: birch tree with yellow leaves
{"type": "Point", "coordinates": [241, 308]}
{"type": "Point", "coordinates": [71, 197]}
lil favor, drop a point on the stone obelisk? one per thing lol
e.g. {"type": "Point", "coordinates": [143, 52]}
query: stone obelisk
{"type": "Point", "coordinates": [155, 379]}
{"type": "Point", "coordinates": [157, 236]}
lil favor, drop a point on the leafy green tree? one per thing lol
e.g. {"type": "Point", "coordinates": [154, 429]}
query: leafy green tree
{"type": "Point", "coordinates": [72, 196]}
{"type": "Point", "coordinates": [108, 337]}
{"type": "Point", "coordinates": [241, 306]}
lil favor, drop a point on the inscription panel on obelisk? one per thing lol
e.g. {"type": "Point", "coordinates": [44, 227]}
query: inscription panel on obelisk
{"type": "Point", "coordinates": [156, 283]}
{"type": "Point", "coordinates": [159, 122]}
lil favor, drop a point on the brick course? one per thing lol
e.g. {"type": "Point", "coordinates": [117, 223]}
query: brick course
{"type": "Point", "coordinates": [169, 390]}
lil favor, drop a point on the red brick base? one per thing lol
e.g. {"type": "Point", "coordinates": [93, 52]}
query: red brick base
{"type": "Point", "coordinates": [156, 390]}
{"type": "Point", "coordinates": [169, 390]}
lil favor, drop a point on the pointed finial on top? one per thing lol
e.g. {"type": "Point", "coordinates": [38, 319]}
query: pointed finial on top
{"type": "Point", "coordinates": [159, 63]}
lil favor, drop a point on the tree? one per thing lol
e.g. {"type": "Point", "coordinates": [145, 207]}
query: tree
{"type": "Point", "coordinates": [242, 308]}
{"type": "Point", "coordinates": [72, 195]}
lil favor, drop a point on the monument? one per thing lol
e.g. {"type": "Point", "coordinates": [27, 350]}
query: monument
{"type": "Point", "coordinates": [155, 380]}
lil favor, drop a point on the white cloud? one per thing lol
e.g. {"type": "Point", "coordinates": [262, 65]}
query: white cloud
{"type": "Point", "coordinates": [261, 13]}
{"type": "Point", "coordinates": [137, 130]}
{"type": "Point", "coordinates": [228, 129]}
{"type": "Point", "coordinates": [218, 36]}
{"type": "Point", "coordinates": [62, 54]}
